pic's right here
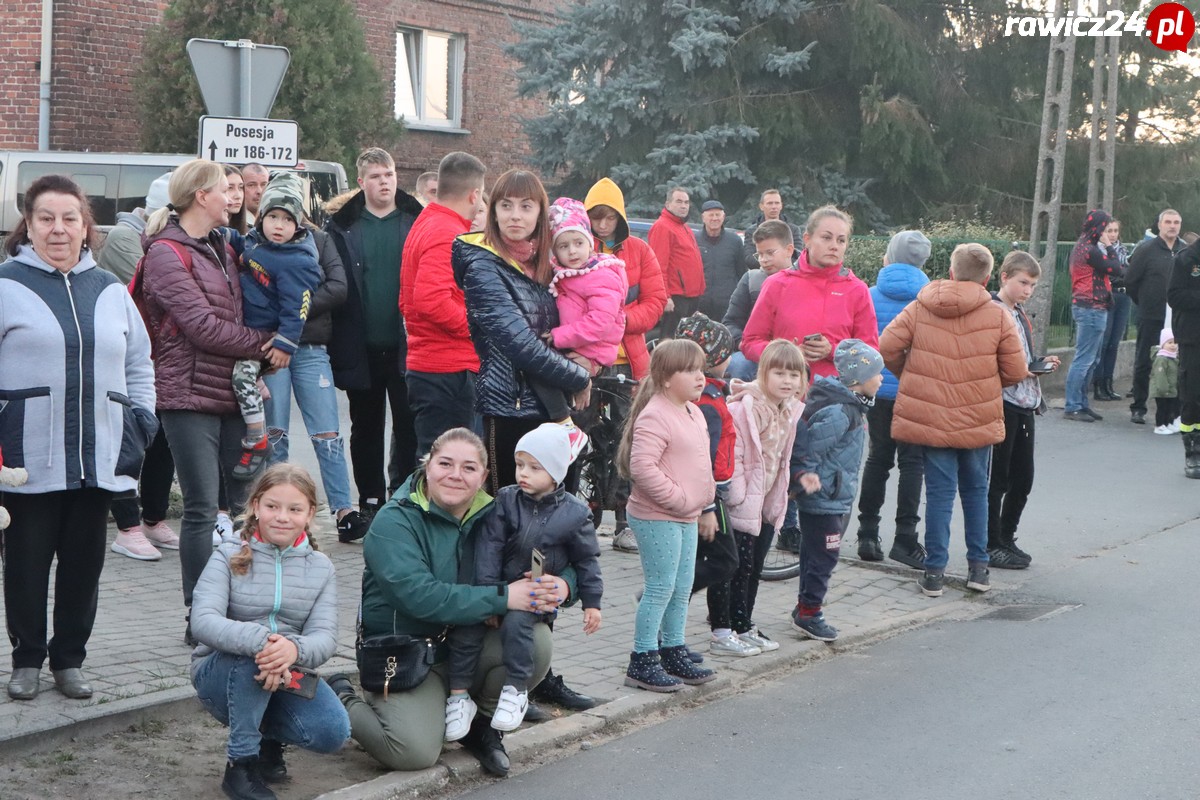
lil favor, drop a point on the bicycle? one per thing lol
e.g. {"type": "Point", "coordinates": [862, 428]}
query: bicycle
{"type": "Point", "coordinates": [600, 486]}
{"type": "Point", "coordinates": [783, 561]}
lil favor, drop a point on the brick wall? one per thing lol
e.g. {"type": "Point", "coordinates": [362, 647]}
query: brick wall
{"type": "Point", "coordinates": [97, 50]}
{"type": "Point", "coordinates": [490, 108]}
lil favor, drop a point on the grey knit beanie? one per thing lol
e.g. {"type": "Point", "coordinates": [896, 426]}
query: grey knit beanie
{"type": "Point", "coordinates": [856, 361]}
{"type": "Point", "coordinates": [907, 247]}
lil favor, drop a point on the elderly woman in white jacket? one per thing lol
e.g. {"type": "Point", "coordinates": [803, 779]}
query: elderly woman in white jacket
{"type": "Point", "coordinates": [265, 614]}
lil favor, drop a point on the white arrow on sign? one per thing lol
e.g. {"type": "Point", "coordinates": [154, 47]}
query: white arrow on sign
{"type": "Point", "coordinates": [233, 140]}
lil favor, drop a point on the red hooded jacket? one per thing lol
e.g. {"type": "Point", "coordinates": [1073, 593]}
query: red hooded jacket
{"type": "Point", "coordinates": [674, 243]}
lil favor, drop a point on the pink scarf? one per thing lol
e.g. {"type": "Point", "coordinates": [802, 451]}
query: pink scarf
{"type": "Point", "coordinates": [525, 252]}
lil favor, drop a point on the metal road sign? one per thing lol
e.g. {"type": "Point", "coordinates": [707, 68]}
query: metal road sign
{"type": "Point", "coordinates": [238, 78]}
{"type": "Point", "coordinates": [234, 140]}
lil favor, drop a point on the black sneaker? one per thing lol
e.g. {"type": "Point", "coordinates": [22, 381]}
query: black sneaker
{"type": "Point", "coordinates": [869, 548]}
{"type": "Point", "coordinates": [1003, 558]}
{"type": "Point", "coordinates": [242, 781]}
{"type": "Point", "coordinates": [487, 744]}
{"type": "Point", "coordinates": [908, 552]}
{"type": "Point", "coordinates": [1137, 417]}
{"type": "Point", "coordinates": [1092, 414]}
{"type": "Point", "coordinates": [789, 540]}
{"type": "Point", "coordinates": [977, 577]}
{"type": "Point", "coordinates": [553, 690]}
{"type": "Point", "coordinates": [352, 527]}
{"type": "Point", "coordinates": [1012, 546]}
{"type": "Point", "coordinates": [1079, 416]}
{"type": "Point", "coordinates": [535, 713]}
{"type": "Point", "coordinates": [932, 583]}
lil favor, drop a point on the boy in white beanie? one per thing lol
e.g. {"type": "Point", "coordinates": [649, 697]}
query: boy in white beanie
{"type": "Point", "coordinates": [536, 513]}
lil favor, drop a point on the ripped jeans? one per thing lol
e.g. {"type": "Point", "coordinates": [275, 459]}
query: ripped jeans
{"type": "Point", "coordinates": [311, 378]}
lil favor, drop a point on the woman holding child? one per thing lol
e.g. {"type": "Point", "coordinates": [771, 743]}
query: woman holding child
{"type": "Point", "coordinates": [418, 580]}
{"type": "Point", "coordinates": [194, 314]}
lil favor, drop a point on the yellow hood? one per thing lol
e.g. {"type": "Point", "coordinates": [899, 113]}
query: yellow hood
{"type": "Point", "coordinates": [606, 193]}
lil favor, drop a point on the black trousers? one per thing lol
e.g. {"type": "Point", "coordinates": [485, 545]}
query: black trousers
{"type": "Point", "coordinates": [716, 561]}
{"type": "Point", "coordinates": [440, 401]}
{"type": "Point", "coordinates": [684, 307]}
{"type": "Point", "coordinates": [158, 472]}
{"type": "Point", "coordinates": [1148, 332]}
{"type": "Point", "coordinates": [1189, 383]}
{"type": "Point", "coordinates": [72, 525]}
{"type": "Point", "coordinates": [368, 430]}
{"type": "Point", "coordinates": [731, 604]}
{"type": "Point", "coordinates": [1012, 476]}
{"type": "Point", "coordinates": [1166, 409]}
{"type": "Point", "coordinates": [820, 544]}
{"type": "Point", "coordinates": [885, 452]}
{"type": "Point", "coordinates": [500, 437]}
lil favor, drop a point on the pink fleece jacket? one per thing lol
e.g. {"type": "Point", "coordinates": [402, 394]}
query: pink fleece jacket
{"type": "Point", "coordinates": [795, 303]}
{"type": "Point", "coordinates": [750, 502]}
{"type": "Point", "coordinates": [591, 308]}
{"type": "Point", "coordinates": [669, 462]}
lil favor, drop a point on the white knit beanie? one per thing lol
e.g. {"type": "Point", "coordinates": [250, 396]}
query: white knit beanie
{"type": "Point", "coordinates": [550, 445]}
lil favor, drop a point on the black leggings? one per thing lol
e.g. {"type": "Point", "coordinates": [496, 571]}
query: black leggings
{"type": "Point", "coordinates": [731, 605]}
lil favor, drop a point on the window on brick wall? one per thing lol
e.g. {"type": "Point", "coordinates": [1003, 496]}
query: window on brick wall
{"type": "Point", "coordinates": [429, 67]}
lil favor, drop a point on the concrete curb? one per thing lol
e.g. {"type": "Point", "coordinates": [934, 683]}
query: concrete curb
{"type": "Point", "coordinates": [166, 705]}
{"type": "Point", "coordinates": [529, 745]}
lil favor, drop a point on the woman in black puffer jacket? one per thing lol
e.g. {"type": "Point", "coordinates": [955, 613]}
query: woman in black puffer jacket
{"type": "Point", "coordinates": [504, 273]}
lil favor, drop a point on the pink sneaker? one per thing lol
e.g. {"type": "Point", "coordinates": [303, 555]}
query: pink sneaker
{"type": "Point", "coordinates": [133, 543]}
{"type": "Point", "coordinates": [161, 534]}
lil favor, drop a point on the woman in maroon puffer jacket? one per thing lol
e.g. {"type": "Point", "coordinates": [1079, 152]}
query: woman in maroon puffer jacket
{"type": "Point", "coordinates": [194, 308]}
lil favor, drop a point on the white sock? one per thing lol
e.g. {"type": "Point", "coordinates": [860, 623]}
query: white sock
{"type": "Point", "coordinates": [722, 633]}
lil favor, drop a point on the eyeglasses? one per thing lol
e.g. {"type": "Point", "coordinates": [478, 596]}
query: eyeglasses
{"type": "Point", "coordinates": [766, 255]}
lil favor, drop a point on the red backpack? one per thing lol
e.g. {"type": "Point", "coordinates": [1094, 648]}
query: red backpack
{"type": "Point", "coordinates": [138, 292]}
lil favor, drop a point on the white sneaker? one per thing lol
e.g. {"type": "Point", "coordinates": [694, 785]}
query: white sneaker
{"type": "Point", "coordinates": [1164, 430]}
{"type": "Point", "coordinates": [732, 645]}
{"type": "Point", "coordinates": [759, 639]}
{"type": "Point", "coordinates": [460, 711]}
{"type": "Point", "coordinates": [510, 709]}
{"type": "Point", "coordinates": [133, 543]}
{"type": "Point", "coordinates": [1177, 425]}
{"type": "Point", "coordinates": [223, 530]}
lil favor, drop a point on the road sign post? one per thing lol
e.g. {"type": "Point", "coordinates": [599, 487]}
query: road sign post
{"type": "Point", "coordinates": [234, 140]}
{"type": "Point", "coordinates": [238, 78]}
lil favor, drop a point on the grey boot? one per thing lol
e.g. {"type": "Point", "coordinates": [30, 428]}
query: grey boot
{"type": "Point", "coordinates": [1191, 453]}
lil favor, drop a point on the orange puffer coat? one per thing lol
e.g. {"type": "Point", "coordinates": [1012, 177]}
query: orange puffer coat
{"type": "Point", "coordinates": [953, 350]}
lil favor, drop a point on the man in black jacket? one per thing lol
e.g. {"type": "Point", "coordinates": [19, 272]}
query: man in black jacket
{"type": "Point", "coordinates": [1183, 293]}
{"type": "Point", "coordinates": [721, 252]}
{"type": "Point", "coordinates": [367, 349]}
{"type": "Point", "coordinates": [1146, 283]}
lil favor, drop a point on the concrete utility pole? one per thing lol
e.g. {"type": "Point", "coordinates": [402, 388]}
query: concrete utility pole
{"type": "Point", "coordinates": [1103, 147]}
{"type": "Point", "coordinates": [1047, 195]}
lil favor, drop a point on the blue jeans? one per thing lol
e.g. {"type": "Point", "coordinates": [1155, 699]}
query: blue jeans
{"type": "Point", "coordinates": [668, 553]}
{"type": "Point", "coordinates": [1089, 335]}
{"type": "Point", "coordinates": [1114, 333]}
{"type": "Point", "coordinates": [741, 367]}
{"type": "Point", "coordinates": [310, 376]}
{"type": "Point", "coordinates": [226, 688]}
{"type": "Point", "coordinates": [949, 471]}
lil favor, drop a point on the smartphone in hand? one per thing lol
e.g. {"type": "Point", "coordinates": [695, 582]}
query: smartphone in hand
{"type": "Point", "coordinates": [537, 564]}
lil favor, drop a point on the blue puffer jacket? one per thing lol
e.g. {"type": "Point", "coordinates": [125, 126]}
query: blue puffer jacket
{"type": "Point", "coordinates": [278, 281]}
{"type": "Point", "coordinates": [895, 287]}
{"type": "Point", "coordinates": [830, 437]}
{"type": "Point", "coordinates": [507, 313]}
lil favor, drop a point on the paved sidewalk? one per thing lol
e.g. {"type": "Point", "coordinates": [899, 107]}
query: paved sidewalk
{"type": "Point", "coordinates": [137, 659]}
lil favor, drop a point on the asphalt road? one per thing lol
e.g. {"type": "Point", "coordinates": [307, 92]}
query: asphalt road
{"type": "Point", "coordinates": [1096, 699]}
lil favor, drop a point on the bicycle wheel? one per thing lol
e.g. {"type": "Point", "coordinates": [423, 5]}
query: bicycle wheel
{"type": "Point", "coordinates": [783, 561]}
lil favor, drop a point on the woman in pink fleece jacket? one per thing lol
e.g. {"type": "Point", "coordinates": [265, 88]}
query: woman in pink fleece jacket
{"type": "Point", "coordinates": [664, 452]}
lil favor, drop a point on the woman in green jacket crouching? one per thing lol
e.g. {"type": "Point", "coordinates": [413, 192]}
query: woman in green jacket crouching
{"type": "Point", "coordinates": [419, 579]}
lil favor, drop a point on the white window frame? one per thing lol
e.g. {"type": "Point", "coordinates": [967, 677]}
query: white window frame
{"type": "Point", "coordinates": [456, 57]}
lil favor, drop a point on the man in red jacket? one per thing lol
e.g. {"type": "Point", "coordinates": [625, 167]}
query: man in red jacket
{"type": "Point", "coordinates": [679, 256]}
{"type": "Point", "coordinates": [442, 363]}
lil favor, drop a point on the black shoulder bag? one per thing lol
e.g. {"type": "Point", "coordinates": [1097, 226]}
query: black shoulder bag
{"type": "Point", "coordinates": [394, 660]}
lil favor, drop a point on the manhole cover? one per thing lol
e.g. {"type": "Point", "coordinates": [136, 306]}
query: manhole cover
{"type": "Point", "coordinates": [1027, 612]}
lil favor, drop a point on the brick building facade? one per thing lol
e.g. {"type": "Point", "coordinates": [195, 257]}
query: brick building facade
{"type": "Point", "coordinates": [97, 46]}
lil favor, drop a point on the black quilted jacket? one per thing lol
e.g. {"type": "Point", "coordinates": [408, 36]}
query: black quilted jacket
{"type": "Point", "coordinates": [507, 313]}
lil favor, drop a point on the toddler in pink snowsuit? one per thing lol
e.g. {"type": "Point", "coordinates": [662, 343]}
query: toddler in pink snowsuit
{"type": "Point", "coordinates": [589, 289]}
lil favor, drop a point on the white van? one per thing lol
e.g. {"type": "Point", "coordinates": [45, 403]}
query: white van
{"type": "Point", "coordinates": [119, 181]}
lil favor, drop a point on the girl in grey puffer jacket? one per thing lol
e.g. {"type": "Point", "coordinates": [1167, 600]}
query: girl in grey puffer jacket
{"type": "Point", "coordinates": [264, 611]}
